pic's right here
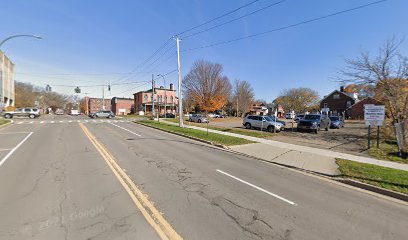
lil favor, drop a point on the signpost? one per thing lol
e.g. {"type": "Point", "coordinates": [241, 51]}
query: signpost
{"type": "Point", "coordinates": [292, 117]}
{"type": "Point", "coordinates": [374, 116]}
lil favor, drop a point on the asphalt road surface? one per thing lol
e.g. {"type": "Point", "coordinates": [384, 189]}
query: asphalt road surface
{"type": "Point", "coordinates": [63, 177]}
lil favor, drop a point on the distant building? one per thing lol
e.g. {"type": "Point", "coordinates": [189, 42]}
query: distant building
{"type": "Point", "coordinates": [357, 109]}
{"type": "Point", "coordinates": [95, 104]}
{"type": "Point", "coordinates": [143, 100]}
{"type": "Point", "coordinates": [122, 106]}
{"type": "Point", "coordinates": [7, 97]}
{"type": "Point", "coordinates": [259, 109]}
{"type": "Point", "coordinates": [339, 102]}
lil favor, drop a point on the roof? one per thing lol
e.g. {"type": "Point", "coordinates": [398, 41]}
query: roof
{"type": "Point", "coordinates": [364, 100]}
{"type": "Point", "coordinates": [150, 90]}
{"type": "Point", "coordinates": [122, 98]}
{"type": "Point", "coordinates": [335, 92]}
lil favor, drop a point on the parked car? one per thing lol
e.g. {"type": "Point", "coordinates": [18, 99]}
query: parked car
{"type": "Point", "coordinates": [198, 118]}
{"type": "Point", "coordinates": [74, 112]}
{"type": "Point", "coordinates": [219, 116]}
{"type": "Point", "coordinates": [102, 114]}
{"type": "Point", "coordinates": [277, 120]}
{"type": "Point", "coordinates": [299, 117]}
{"type": "Point", "coordinates": [168, 115]}
{"type": "Point", "coordinates": [262, 122]}
{"type": "Point", "coordinates": [314, 122]}
{"type": "Point", "coordinates": [336, 122]}
{"type": "Point", "coordinates": [22, 112]}
{"type": "Point", "coordinates": [289, 116]}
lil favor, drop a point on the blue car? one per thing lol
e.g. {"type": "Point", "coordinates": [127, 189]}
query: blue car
{"type": "Point", "coordinates": [336, 122]}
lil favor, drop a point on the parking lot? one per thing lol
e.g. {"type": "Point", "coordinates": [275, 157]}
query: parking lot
{"type": "Point", "coordinates": [350, 139]}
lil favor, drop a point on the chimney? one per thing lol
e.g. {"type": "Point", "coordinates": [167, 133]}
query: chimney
{"type": "Point", "coordinates": [341, 88]}
{"type": "Point", "coordinates": [171, 86]}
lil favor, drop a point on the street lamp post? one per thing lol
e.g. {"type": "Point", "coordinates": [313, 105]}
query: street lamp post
{"type": "Point", "coordinates": [20, 35]}
{"type": "Point", "coordinates": [2, 64]}
{"type": "Point", "coordinates": [165, 95]}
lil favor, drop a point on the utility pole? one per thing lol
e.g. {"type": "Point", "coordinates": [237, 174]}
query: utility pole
{"type": "Point", "coordinates": [103, 97]}
{"type": "Point", "coordinates": [237, 105]}
{"type": "Point", "coordinates": [153, 111]}
{"type": "Point", "coordinates": [180, 103]}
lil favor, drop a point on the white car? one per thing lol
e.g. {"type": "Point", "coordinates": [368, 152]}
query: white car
{"type": "Point", "coordinates": [198, 118]}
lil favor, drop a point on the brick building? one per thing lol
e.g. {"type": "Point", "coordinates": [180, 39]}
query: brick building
{"type": "Point", "coordinates": [357, 110]}
{"type": "Point", "coordinates": [95, 104]}
{"type": "Point", "coordinates": [162, 97]}
{"type": "Point", "coordinates": [122, 106]}
{"type": "Point", "coordinates": [339, 102]}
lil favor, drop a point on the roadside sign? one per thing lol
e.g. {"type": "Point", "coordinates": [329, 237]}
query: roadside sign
{"type": "Point", "coordinates": [292, 114]}
{"type": "Point", "coordinates": [325, 111]}
{"type": "Point", "coordinates": [374, 114]}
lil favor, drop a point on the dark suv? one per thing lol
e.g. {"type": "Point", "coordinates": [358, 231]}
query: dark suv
{"type": "Point", "coordinates": [314, 122]}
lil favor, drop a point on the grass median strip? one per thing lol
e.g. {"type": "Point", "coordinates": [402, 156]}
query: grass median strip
{"type": "Point", "coordinates": [212, 137]}
{"type": "Point", "coordinates": [388, 151]}
{"type": "Point", "coordinates": [3, 121]}
{"type": "Point", "coordinates": [388, 178]}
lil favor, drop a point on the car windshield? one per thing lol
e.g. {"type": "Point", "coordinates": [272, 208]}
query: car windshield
{"type": "Point", "coordinates": [312, 117]}
{"type": "Point", "coordinates": [334, 118]}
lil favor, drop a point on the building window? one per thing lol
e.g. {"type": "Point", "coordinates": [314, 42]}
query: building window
{"type": "Point", "coordinates": [348, 104]}
{"type": "Point", "coordinates": [146, 97]}
{"type": "Point", "coordinates": [171, 99]}
{"type": "Point", "coordinates": [336, 96]}
{"type": "Point", "coordinates": [165, 99]}
{"type": "Point", "coordinates": [325, 105]}
{"type": "Point", "coordinates": [160, 98]}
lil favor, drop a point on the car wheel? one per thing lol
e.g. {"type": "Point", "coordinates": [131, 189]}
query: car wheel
{"type": "Point", "coordinates": [31, 116]}
{"type": "Point", "coordinates": [8, 116]}
{"type": "Point", "coordinates": [190, 120]}
{"type": "Point", "coordinates": [199, 121]}
{"type": "Point", "coordinates": [317, 130]}
{"type": "Point", "coordinates": [247, 125]}
{"type": "Point", "coordinates": [327, 129]}
{"type": "Point", "coordinates": [110, 116]}
{"type": "Point", "coordinates": [270, 129]}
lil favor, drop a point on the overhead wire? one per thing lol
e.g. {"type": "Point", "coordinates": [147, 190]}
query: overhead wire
{"type": "Point", "coordinates": [286, 27]}
{"type": "Point", "coordinates": [234, 19]}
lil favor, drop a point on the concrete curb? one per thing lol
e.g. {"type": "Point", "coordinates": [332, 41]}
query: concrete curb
{"type": "Point", "coordinates": [186, 136]}
{"type": "Point", "coordinates": [337, 178]}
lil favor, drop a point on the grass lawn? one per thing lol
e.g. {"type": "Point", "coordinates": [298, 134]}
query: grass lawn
{"type": "Point", "coordinates": [3, 121]}
{"type": "Point", "coordinates": [213, 137]}
{"type": "Point", "coordinates": [387, 151]}
{"type": "Point", "coordinates": [130, 116]}
{"type": "Point", "coordinates": [384, 177]}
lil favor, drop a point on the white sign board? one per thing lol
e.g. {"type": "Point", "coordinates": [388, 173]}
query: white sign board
{"type": "Point", "coordinates": [122, 110]}
{"type": "Point", "coordinates": [374, 114]}
{"type": "Point", "coordinates": [292, 114]}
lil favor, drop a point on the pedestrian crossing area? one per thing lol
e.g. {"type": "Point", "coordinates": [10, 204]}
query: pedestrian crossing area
{"type": "Point", "coordinates": [69, 121]}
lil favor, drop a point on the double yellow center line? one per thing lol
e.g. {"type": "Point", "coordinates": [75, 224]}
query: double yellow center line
{"type": "Point", "coordinates": [150, 213]}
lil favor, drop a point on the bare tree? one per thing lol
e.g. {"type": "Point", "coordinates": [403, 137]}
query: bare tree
{"type": "Point", "coordinates": [243, 96]}
{"type": "Point", "coordinates": [206, 86]}
{"type": "Point", "coordinates": [298, 99]}
{"type": "Point", "coordinates": [388, 74]}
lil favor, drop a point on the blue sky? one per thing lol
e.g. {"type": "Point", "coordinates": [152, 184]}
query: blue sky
{"type": "Point", "coordinates": [97, 42]}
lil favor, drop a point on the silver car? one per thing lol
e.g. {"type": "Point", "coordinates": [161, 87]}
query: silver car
{"type": "Point", "coordinates": [262, 122]}
{"type": "Point", "coordinates": [198, 118]}
{"type": "Point", "coordinates": [22, 112]}
{"type": "Point", "coordinates": [102, 114]}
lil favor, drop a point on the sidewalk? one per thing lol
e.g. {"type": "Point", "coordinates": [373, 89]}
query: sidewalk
{"type": "Point", "coordinates": [313, 159]}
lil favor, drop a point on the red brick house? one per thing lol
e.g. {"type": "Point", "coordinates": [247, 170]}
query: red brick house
{"type": "Point", "coordinates": [122, 106]}
{"type": "Point", "coordinates": [338, 102]}
{"type": "Point", "coordinates": [95, 104]}
{"type": "Point", "coordinates": [162, 98]}
{"type": "Point", "coordinates": [357, 110]}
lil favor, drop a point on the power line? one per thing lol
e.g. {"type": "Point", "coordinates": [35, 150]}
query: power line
{"type": "Point", "coordinates": [131, 89]}
{"type": "Point", "coordinates": [146, 61]}
{"type": "Point", "coordinates": [235, 19]}
{"type": "Point", "coordinates": [216, 18]}
{"type": "Point", "coordinates": [286, 27]}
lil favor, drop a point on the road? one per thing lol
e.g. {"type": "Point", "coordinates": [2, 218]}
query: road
{"type": "Point", "coordinates": [58, 180]}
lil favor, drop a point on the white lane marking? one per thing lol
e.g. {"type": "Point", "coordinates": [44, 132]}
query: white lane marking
{"type": "Point", "coordinates": [14, 133]}
{"type": "Point", "coordinates": [31, 122]}
{"type": "Point", "coordinates": [126, 129]}
{"type": "Point", "coordinates": [14, 149]}
{"type": "Point", "coordinates": [61, 121]}
{"type": "Point", "coordinates": [86, 121]}
{"type": "Point", "coordinates": [42, 122]}
{"type": "Point", "coordinates": [79, 121]}
{"type": "Point", "coordinates": [70, 121]}
{"type": "Point", "coordinates": [5, 149]}
{"type": "Point", "coordinates": [258, 188]}
{"type": "Point", "coordinates": [94, 121]}
{"type": "Point", "coordinates": [52, 122]}
{"type": "Point", "coordinates": [20, 123]}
